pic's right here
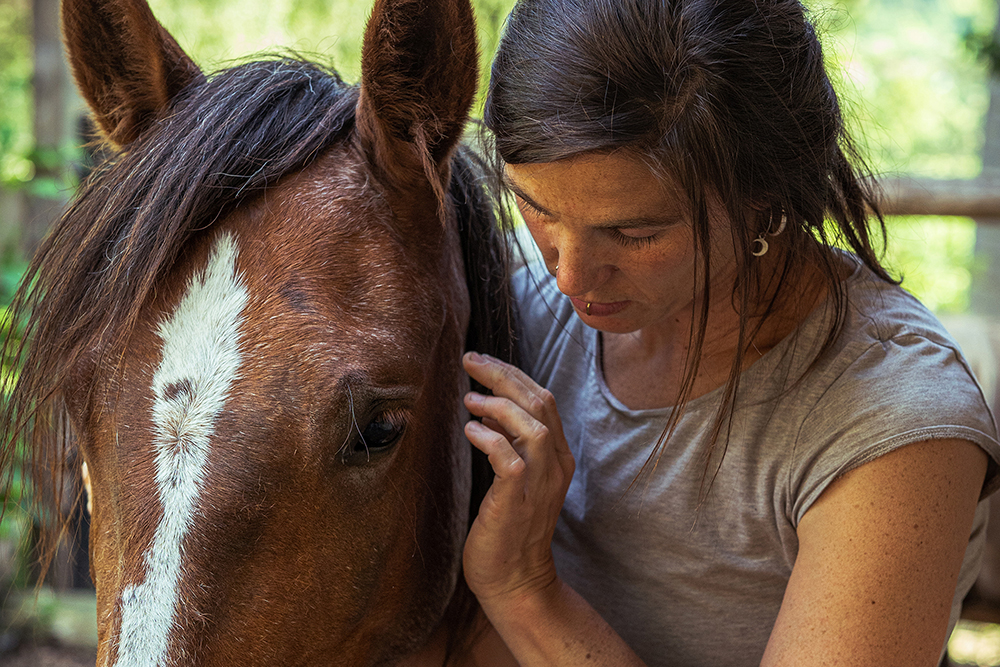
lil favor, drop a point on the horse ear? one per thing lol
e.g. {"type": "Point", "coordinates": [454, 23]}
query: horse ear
{"type": "Point", "coordinates": [419, 71]}
{"type": "Point", "coordinates": [126, 65]}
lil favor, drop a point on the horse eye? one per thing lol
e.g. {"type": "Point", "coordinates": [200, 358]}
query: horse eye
{"type": "Point", "coordinates": [378, 436]}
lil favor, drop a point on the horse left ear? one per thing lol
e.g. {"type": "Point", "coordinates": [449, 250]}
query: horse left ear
{"type": "Point", "coordinates": [419, 71]}
{"type": "Point", "coordinates": [126, 65]}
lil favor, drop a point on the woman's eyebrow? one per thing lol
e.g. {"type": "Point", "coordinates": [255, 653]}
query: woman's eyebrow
{"type": "Point", "coordinates": [623, 223]}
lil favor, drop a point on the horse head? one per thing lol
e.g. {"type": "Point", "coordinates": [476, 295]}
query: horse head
{"type": "Point", "coordinates": [253, 316]}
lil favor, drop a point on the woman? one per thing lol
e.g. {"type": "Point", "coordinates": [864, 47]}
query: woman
{"type": "Point", "coordinates": [764, 451]}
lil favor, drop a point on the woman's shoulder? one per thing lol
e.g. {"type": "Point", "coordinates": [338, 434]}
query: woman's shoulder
{"type": "Point", "coordinates": [893, 376]}
{"type": "Point", "coordinates": [883, 311]}
{"type": "Point", "coordinates": [872, 314]}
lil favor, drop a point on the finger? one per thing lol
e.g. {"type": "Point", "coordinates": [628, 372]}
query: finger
{"type": "Point", "coordinates": [512, 419]}
{"type": "Point", "coordinates": [501, 378]}
{"type": "Point", "coordinates": [511, 382]}
{"type": "Point", "coordinates": [493, 424]}
{"type": "Point", "coordinates": [515, 422]}
{"type": "Point", "coordinates": [509, 468]}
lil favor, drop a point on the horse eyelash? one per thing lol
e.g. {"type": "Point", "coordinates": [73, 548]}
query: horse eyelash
{"type": "Point", "coordinates": [354, 423]}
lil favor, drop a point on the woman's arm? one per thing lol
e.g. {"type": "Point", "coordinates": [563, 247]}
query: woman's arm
{"type": "Point", "coordinates": [879, 558]}
{"type": "Point", "coordinates": [508, 554]}
{"type": "Point", "coordinates": [879, 552]}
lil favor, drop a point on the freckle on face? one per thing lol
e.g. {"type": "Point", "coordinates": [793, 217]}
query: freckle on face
{"type": "Point", "coordinates": [578, 211]}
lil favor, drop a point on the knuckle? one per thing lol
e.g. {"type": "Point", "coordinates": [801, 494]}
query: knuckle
{"type": "Point", "coordinates": [547, 400]}
{"type": "Point", "coordinates": [517, 468]}
{"type": "Point", "coordinates": [505, 373]}
{"type": "Point", "coordinates": [537, 406]}
{"type": "Point", "coordinates": [540, 431]}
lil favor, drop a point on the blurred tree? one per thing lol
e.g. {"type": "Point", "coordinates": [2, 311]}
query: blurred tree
{"type": "Point", "coordinates": [52, 127]}
{"type": "Point", "coordinates": [15, 118]}
{"type": "Point", "coordinates": [15, 83]}
{"type": "Point", "coordinates": [986, 281]}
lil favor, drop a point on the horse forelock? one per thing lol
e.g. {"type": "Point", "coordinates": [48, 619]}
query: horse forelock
{"type": "Point", "coordinates": [225, 141]}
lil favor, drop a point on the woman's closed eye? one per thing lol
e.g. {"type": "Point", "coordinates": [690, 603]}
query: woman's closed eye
{"type": "Point", "coordinates": [634, 236]}
{"type": "Point", "coordinates": [529, 209]}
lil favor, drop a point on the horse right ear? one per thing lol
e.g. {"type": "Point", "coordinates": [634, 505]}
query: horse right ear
{"type": "Point", "coordinates": [419, 70]}
{"type": "Point", "coordinates": [126, 65]}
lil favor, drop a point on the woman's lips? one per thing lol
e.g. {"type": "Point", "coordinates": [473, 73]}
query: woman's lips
{"type": "Point", "coordinates": [598, 309]}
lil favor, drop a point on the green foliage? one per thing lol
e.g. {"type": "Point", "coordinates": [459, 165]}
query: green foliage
{"type": "Point", "coordinates": [914, 92]}
{"type": "Point", "coordinates": [985, 47]}
{"type": "Point", "coordinates": [15, 91]}
{"type": "Point", "coordinates": [913, 84]}
{"type": "Point", "coordinates": [934, 257]}
{"type": "Point", "coordinates": [329, 31]}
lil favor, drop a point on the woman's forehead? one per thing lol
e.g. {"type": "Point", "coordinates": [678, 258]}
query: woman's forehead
{"type": "Point", "coordinates": [596, 182]}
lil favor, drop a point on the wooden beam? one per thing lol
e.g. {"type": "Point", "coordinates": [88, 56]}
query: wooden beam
{"type": "Point", "coordinates": [977, 198]}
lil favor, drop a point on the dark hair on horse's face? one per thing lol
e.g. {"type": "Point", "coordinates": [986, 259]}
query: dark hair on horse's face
{"type": "Point", "coordinates": [729, 99]}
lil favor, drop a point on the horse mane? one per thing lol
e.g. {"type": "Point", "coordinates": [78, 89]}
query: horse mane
{"type": "Point", "coordinates": [224, 141]}
{"type": "Point", "coordinates": [492, 329]}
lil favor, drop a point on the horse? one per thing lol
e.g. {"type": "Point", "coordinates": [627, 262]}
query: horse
{"type": "Point", "coordinates": [246, 331]}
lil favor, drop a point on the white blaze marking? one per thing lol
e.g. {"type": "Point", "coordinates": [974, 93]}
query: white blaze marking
{"type": "Point", "coordinates": [201, 358]}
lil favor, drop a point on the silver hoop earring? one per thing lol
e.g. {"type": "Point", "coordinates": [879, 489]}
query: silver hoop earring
{"type": "Point", "coordinates": [761, 243]}
{"type": "Point", "coordinates": [781, 225]}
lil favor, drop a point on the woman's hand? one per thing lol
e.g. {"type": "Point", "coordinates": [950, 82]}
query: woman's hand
{"type": "Point", "coordinates": [508, 553]}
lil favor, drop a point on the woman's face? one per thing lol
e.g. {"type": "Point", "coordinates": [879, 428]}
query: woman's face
{"type": "Point", "coordinates": [622, 239]}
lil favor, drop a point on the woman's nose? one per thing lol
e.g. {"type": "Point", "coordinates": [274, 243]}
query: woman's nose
{"type": "Point", "coordinates": [581, 270]}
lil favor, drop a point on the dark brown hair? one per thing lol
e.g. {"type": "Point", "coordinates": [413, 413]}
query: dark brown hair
{"type": "Point", "coordinates": [729, 99]}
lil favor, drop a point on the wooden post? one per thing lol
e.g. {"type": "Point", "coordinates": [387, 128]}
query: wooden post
{"type": "Point", "coordinates": [50, 82]}
{"type": "Point", "coordinates": [978, 198]}
{"type": "Point", "coordinates": [983, 299]}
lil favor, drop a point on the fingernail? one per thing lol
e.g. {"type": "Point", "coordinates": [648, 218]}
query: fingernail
{"type": "Point", "coordinates": [473, 397]}
{"type": "Point", "coordinates": [476, 358]}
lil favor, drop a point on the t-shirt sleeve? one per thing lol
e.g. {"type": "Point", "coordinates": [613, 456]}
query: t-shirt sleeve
{"type": "Point", "coordinates": [896, 392]}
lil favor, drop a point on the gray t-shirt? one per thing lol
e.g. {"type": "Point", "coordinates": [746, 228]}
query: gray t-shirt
{"type": "Point", "coordinates": [689, 580]}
